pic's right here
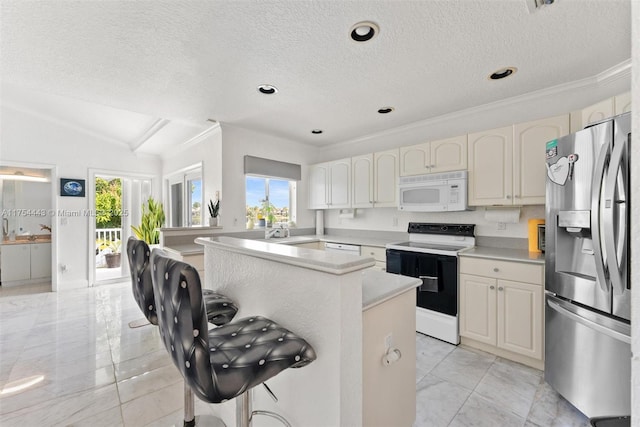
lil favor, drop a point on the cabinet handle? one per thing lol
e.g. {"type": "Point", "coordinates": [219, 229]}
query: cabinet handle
{"type": "Point", "coordinates": [508, 197]}
{"type": "Point", "coordinates": [496, 269]}
{"type": "Point", "coordinates": [517, 196]}
{"type": "Point", "coordinates": [492, 287]}
{"type": "Point", "coordinates": [433, 166]}
{"type": "Point", "coordinates": [500, 288]}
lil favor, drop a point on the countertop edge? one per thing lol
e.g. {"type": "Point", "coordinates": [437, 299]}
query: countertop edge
{"type": "Point", "coordinates": [508, 255]}
{"type": "Point", "coordinates": [234, 245]}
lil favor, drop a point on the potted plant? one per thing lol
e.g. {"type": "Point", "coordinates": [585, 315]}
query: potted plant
{"type": "Point", "coordinates": [113, 258]}
{"type": "Point", "coordinates": [267, 211]}
{"type": "Point", "coordinates": [214, 210]}
{"type": "Point", "coordinates": [152, 219]}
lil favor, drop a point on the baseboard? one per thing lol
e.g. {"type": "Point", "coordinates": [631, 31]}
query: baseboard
{"type": "Point", "coordinates": [506, 354]}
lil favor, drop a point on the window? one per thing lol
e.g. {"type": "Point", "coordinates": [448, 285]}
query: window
{"type": "Point", "coordinates": [269, 201]}
{"type": "Point", "coordinates": [185, 198]}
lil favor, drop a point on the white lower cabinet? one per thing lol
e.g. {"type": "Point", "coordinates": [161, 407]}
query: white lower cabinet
{"type": "Point", "coordinates": [378, 253]}
{"type": "Point", "coordinates": [24, 262]}
{"type": "Point", "coordinates": [501, 308]}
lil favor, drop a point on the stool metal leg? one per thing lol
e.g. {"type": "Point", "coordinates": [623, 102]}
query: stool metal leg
{"type": "Point", "coordinates": [243, 409]}
{"type": "Point", "coordinates": [189, 407]}
{"type": "Point", "coordinates": [244, 413]}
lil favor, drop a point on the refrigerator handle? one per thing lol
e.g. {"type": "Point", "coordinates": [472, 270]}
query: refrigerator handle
{"type": "Point", "coordinates": [588, 323]}
{"type": "Point", "coordinates": [613, 234]}
{"type": "Point", "coordinates": [596, 190]}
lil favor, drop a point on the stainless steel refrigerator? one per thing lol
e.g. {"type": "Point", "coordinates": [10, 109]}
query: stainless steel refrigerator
{"type": "Point", "coordinates": [588, 291]}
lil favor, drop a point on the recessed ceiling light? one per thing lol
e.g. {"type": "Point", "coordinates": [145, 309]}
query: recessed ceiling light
{"type": "Point", "coordinates": [502, 73]}
{"type": "Point", "coordinates": [267, 89]}
{"type": "Point", "coordinates": [364, 31]}
{"type": "Point", "coordinates": [316, 131]}
{"type": "Point", "coordinates": [386, 110]}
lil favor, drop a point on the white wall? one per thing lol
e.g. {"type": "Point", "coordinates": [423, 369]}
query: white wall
{"type": "Point", "coordinates": [207, 151]}
{"type": "Point", "coordinates": [25, 138]}
{"type": "Point", "coordinates": [236, 143]}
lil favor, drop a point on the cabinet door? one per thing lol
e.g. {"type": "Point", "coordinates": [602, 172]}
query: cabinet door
{"type": "Point", "coordinates": [520, 318]}
{"type": "Point", "coordinates": [491, 167]}
{"type": "Point", "coordinates": [478, 308]}
{"type": "Point", "coordinates": [318, 176]}
{"type": "Point", "coordinates": [449, 154]}
{"type": "Point", "coordinates": [385, 166]}
{"type": "Point", "coordinates": [362, 181]}
{"type": "Point", "coordinates": [415, 159]}
{"type": "Point", "coordinates": [16, 262]}
{"type": "Point", "coordinates": [529, 144]}
{"type": "Point", "coordinates": [340, 184]}
{"type": "Point", "coordinates": [40, 260]}
{"type": "Point", "coordinates": [622, 103]}
{"type": "Point", "coordinates": [596, 112]}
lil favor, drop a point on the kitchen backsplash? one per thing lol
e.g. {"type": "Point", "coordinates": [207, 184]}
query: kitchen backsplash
{"type": "Point", "coordinates": [392, 220]}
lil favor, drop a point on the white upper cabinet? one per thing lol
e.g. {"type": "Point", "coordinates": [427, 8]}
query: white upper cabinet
{"type": "Point", "coordinates": [507, 165]}
{"type": "Point", "coordinates": [432, 157]}
{"type": "Point", "coordinates": [415, 159]}
{"type": "Point", "coordinates": [330, 185]}
{"type": "Point", "coordinates": [362, 179]}
{"type": "Point", "coordinates": [491, 167]}
{"type": "Point", "coordinates": [622, 103]}
{"type": "Point", "coordinates": [385, 174]}
{"type": "Point", "coordinates": [529, 148]}
{"type": "Point", "coordinates": [375, 179]}
{"type": "Point", "coordinates": [318, 178]}
{"type": "Point", "coordinates": [600, 111]}
{"type": "Point", "coordinates": [597, 112]}
{"type": "Point", "coordinates": [340, 184]}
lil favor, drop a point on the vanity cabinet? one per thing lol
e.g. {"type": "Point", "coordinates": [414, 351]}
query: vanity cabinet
{"type": "Point", "coordinates": [433, 157]}
{"type": "Point", "coordinates": [330, 185]}
{"type": "Point", "coordinates": [501, 308]}
{"type": "Point", "coordinates": [25, 262]}
{"type": "Point", "coordinates": [507, 165]}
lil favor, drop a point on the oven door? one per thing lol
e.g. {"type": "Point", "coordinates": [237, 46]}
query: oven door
{"type": "Point", "coordinates": [439, 275]}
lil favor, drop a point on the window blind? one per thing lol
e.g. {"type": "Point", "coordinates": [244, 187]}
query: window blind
{"type": "Point", "coordinates": [271, 168]}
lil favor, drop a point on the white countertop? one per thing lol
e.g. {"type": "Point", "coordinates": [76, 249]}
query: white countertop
{"type": "Point", "coordinates": [519, 255]}
{"type": "Point", "coordinates": [328, 262]}
{"type": "Point", "coordinates": [378, 287]}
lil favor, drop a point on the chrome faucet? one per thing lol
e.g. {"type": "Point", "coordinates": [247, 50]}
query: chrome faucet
{"type": "Point", "coordinates": [279, 229]}
{"type": "Point", "coordinates": [5, 228]}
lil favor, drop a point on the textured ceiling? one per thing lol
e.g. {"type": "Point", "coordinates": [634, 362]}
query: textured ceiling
{"type": "Point", "coordinates": [188, 61]}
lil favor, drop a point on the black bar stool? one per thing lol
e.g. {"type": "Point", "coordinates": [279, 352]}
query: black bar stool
{"type": "Point", "coordinates": [219, 309]}
{"type": "Point", "coordinates": [225, 362]}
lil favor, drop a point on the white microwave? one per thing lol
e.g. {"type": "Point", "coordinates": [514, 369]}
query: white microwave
{"type": "Point", "coordinates": [437, 192]}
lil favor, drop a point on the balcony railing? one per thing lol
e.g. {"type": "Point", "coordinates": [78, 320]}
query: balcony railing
{"type": "Point", "coordinates": [109, 234]}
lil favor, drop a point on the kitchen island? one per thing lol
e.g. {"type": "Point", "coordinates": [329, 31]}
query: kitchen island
{"type": "Point", "coordinates": [321, 296]}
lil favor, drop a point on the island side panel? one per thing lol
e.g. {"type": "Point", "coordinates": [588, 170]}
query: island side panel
{"type": "Point", "coordinates": [323, 308]}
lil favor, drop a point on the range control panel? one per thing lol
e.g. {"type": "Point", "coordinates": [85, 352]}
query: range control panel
{"type": "Point", "coordinates": [446, 229]}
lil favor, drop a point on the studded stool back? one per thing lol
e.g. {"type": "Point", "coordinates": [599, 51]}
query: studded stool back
{"type": "Point", "coordinates": [225, 362]}
{"type": "Point", "coordinates": [138, 253]}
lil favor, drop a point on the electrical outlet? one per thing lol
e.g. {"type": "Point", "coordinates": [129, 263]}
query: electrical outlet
{"type": "Point", "coordinates": [502, 226]}
{"type": "Point", "coordinates": [388, 341]}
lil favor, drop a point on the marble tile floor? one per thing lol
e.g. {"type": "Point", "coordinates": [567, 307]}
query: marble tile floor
{"type": "Point", "coordinates": [70, 359]}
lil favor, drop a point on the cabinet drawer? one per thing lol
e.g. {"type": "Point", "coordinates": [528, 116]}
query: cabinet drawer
{"type": "Point", "coordinates": [507, 270]}
{"type": "Point", "coordinates": [379, 254]}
